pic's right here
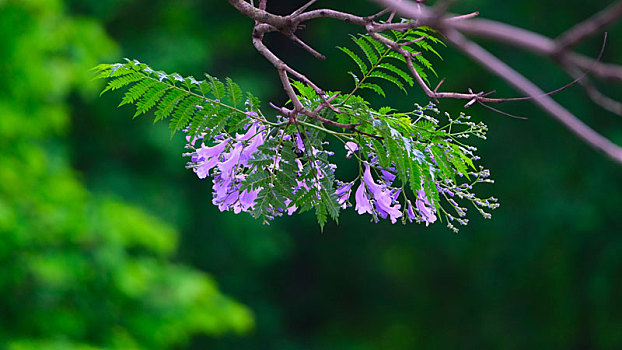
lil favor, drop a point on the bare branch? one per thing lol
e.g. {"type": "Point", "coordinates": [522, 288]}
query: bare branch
{"type": "Point", "coordinates": [433, 94]}
{"type": "Point", "coordinates": [452, 26]}
{"type": "Point", "coordinates": [304, 45]}
{"type": "Point", "coordinates": [601, 99]}
{"type": "Point", "coordinates": [597, 97]}
{"type": "Point", "coordinates": [515, 79]}
{"type": "Point", "coordinates": [258, 14]}
{"type": "Point", "coordinates": [303, 8]}
{"type": "Point", "coordinates": [589, 27]}
{"type": "Point", "coordinates": [538, 44]}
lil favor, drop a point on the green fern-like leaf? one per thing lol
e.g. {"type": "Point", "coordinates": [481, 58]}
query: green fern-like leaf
{"type": "Point", "coordinates": [356, 59]}
{"type": "Point", "coordinates": [168, 104]}
{"type": "Point", "coordinates": [184, 113]}
{"type": "Point", "coordinates": [216, 87]}
{"type": "Point", "coordinates": [384, 76]}
{"type": "Point", "coordinates": [185, 100]}
{"type": "Point", "coordinates": [399, 72]}
{"type": "Point", "coordinates": [122, 81]}
{"type": "Point", "coordinates": [373, 62]}
{"type": "Point", "coordinates": [369, 50]}
{"type": "Point", "coordinates": [234, 93]}
{"type": "Point", "coordinates": [137, 91]}
{"type": "Point", "coordinates": [149, 99]}
{"type": "Point", "coordinates": [374, 87]}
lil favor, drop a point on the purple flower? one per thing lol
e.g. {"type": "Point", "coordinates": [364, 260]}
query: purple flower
{"type": "Point", "coordinates": [343, 193]}
{"type": "Point", "coordinates": [425, 208]}
{"type": "Point", "coordinates": [252, 147]}
{"type": "Point", "coordinates": [224, 194]}
{"type": "Point", "coordinates": [252, 131]}
{"type": "Point", "coordinates": [207, 158]}
{"type": "Point", "coordinates": [246, 200]}
{"type": "Point", "coordinates": [383, 197]}
{"type": "Point", "coordinates": [212, 152]}
{"type": "Point", "coordinates": [383, 206]}
{"type": "Point", "coordinates": [300, 185]}
{"type": "Point", "coordinates": [192, 142]}
{"type": "Point", "coordinates": [410, 212]}
{"type": "Point", "coordinates": [291, 207]}
{"type": "Point", "coordinates": [231, 160]}
{"type": "Point", "coordinates": [299, 144]}
{"type": "Point", "coordinates": [395, 193]}
{"type": "Point", "coordinates": [362, 202]}
{"type": "Point", "coordinates": [372, 186]}
{"type": "Point", "coordinates": [351, 147]}
{"type": "Point", "coordinates": [299, 164]}
{"type": "Point", "coordinates": [387, 176]}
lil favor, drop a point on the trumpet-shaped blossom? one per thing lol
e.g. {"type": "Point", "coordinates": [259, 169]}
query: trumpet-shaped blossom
{"type": "Point", "coordinates": [246, 200]}
{"type": "Point", "coordinates": [232, 160]}
{"type": "Point", "coordinates": [424, 208]}
{"type": "Point", "coordinates": [251, 148]}
{"type": "Point", "coordinates": [386, 207]}
{"type": "Point", "coordinates": [192, 141]}
{"type": "Point", "coordinates": [410, 212]}
{"type": "Point", "coordinates": [351, 147]}
{"type": "Point", "coordinates": [229, 160]}
{"type": "Point", "coordinates": [224, 192]}
{"type": "Point", "coordinates": [343, 194]}
{"type": "Point", "coordinates": [291, 207]}
{"type": "Point", "coordinates": [372, 186]}
{"type": "Point", "coordinates": [384, 198]}
{"type": "Point", "coordinates": [299, 143]}
{"type": "Point", "coordinates": [229, 157]}
{"type": "Point", "coordinates": [362, 202]}
{"type": "Point", "coordinates": [207, 157]}
{"type": "Point", "coordinates": [387, 176]}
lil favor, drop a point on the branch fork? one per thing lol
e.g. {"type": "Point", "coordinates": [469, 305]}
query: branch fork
{"type": "Point", "coordinates": [453, 27]}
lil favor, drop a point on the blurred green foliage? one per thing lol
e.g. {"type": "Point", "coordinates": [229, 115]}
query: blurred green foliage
{"type": "Point", "coordinates": [544, 273]}
{"type": "Point", "coordinates": [80, 271]}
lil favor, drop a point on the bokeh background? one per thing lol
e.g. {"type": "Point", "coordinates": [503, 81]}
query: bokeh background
{"type": "Point", "coordinates": [107, 242]}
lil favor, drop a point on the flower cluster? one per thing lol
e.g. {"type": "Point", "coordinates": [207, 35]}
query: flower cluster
{"type": "Point", "coordinates": [227, 160]}
{"type": "Point", "coordinates": [380, 199]}
{"type": "Point", "coordinates": [288, 162]}
{"type": "Point", "coordinates": [411, 168]}
{"type": "Point", "coordinates": [230, 162]}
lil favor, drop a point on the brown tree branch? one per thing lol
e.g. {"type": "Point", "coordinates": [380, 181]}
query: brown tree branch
{"type": "Point", "coordinates": [283, 70]}
{"type": "Point", "coordinates": [597, 97]}
{"type": "Point", "coordinates": [309, 49]}
{"type": "Point", "coordinates": [534, 42]}
{"type": "Point", "coordinates": [452, 26]}
{"type": "Point", "coordinates": [511, 35]}
{"type": "Point", "coordinates": [538, 44]}
{"type": "Point", "coordinates": [515, 79]}
{"type": "Point", "coordinates": [589, 27]}
{"type": "Point", "coordinates": [373, 28]}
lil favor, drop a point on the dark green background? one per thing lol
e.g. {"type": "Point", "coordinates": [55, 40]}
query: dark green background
{"type": "Point", "coordinates": [544, 273]}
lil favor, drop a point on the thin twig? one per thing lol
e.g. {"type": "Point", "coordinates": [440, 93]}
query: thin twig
{"type": "Point", "coordinates": [304, 45]}
{"type": "Point", "coordinates": [597, 97]}
{"type": "Point", "coordinates": [590, 26]}
{"type": "Point", "coordinates": [502, 70]}
{"type": "Point", "coordinates": [303, 8]}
